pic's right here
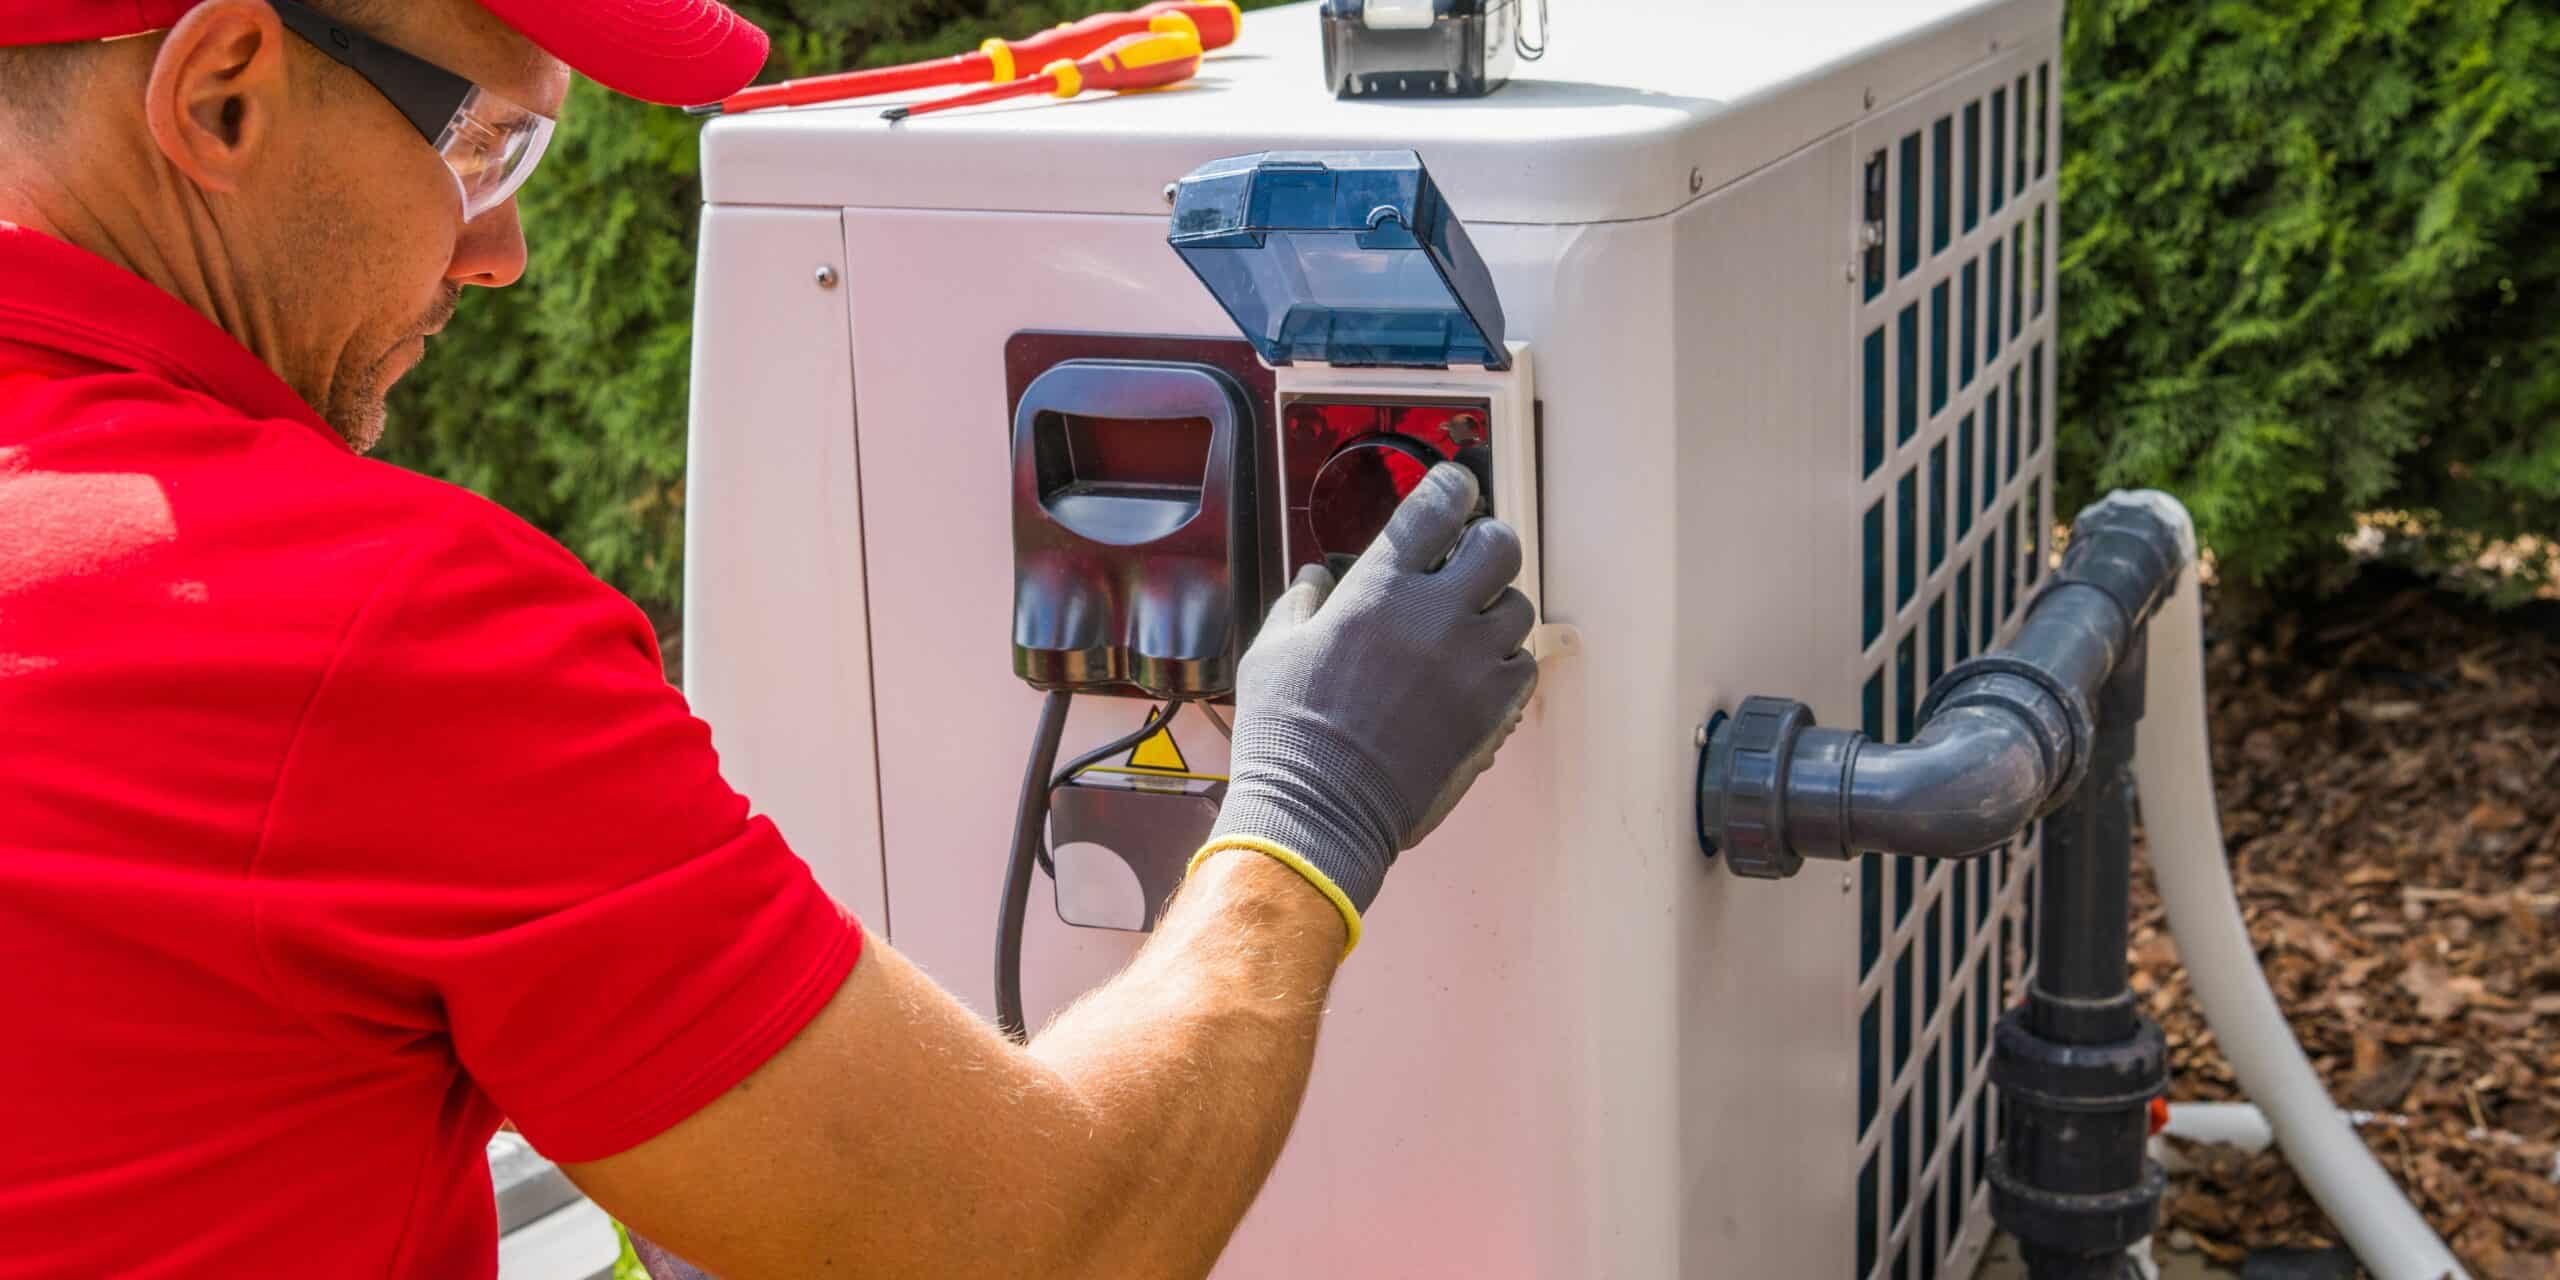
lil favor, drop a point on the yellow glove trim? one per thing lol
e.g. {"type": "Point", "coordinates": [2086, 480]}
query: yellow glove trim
{"type": "Point", "coordinates": [1289, 858]}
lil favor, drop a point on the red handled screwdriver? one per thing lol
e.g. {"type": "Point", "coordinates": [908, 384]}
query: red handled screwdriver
{"type": "Point", "coordinates": [1214, 22]}
{"type": "Point", "coordinates": [1149, 61]}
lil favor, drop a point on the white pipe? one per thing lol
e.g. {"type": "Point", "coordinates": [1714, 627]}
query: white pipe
{"type": "Point", "coordinates": [2222, 1124]}
{"type": "Point", "coordinates": [2173, 766]}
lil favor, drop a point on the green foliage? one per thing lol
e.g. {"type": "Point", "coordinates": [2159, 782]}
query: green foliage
{"type": "Point", "coordinates": [564, 397]}
{"type": "Point", "coordinates": [2309, 267]}
{"type": "Point", "coordinates": [626, 1264]}
{"type": "Point", "coordinates": [2310, 263]}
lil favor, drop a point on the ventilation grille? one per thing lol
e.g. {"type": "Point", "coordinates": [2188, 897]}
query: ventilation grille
{"type": "Point", "coordinates": [1954, 332]}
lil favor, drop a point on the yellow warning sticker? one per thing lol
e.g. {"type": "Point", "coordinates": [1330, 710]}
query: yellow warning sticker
{"type": "Point", "coordinates": [1159, 754]}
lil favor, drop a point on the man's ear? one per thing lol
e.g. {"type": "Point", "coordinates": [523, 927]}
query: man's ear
{"type": "Point", "coordinates": [218, 90]}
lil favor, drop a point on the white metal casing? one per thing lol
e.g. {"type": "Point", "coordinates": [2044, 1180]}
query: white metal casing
{"type": "Point", "coordinates": [1570, 1047]}
{"type": "Point", "coordinates": [1512, 397]}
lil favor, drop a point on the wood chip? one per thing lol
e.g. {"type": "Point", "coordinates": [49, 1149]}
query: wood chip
{"type": "Point", "coordinates": [2384, 1087]}
{"type": "Point", "coordinates": [2493, 815]}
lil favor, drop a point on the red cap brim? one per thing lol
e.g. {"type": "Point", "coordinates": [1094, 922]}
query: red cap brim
{"type": "Point", "coordinates": [676, 52]}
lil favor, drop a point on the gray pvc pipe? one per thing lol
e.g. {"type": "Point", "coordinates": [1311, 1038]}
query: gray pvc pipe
{"type": "Point", "coordinates": [1972, 778]}
{"type": "Point", "coordinates": [2173, 766]}
{"type": "Point", "coordinates": [2002, 751]}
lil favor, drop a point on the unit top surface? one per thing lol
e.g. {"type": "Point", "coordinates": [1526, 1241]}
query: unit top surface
{"type": "Point", "coordinates": [1639, 107]}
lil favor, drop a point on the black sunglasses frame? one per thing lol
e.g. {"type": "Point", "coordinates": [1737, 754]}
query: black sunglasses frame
{"type": "Point", "coordinates": [428, 95]}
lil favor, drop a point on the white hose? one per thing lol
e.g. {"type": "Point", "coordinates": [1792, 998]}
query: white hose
{"type": "Point", "coordinates": [2242, 1126]}
{"type": "Point", "coordinates": [2173, 766]}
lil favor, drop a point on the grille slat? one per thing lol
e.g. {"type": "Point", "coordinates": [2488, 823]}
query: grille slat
{"type": "Point", "coordinates": [1950, 349]}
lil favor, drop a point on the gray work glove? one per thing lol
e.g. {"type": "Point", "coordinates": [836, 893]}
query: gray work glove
{"type": "Point", "coordinates": [1365, 710]}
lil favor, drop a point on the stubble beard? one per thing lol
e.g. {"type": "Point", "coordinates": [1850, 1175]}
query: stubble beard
{"type": "Point", "coordinates": [359, 407]}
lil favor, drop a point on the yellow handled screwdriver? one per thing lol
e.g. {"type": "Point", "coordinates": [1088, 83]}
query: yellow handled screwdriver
{"type": "Point", "coordinates": [1152, 60]}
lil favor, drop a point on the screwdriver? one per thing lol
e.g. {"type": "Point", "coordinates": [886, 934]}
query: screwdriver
{"type": "Point", "coordinates": [1149, 61]}
{"type": "Point", "coordinates": [1215, 22]}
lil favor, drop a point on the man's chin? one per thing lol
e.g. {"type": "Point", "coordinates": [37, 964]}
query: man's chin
{"type": "Point", "coordinates": [359, 424]}
{"type": "Point", "coordinates": [359, 418]}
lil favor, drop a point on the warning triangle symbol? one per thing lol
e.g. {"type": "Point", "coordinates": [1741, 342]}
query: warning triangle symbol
{"type": "Point", "coordinates": [1159, 753]}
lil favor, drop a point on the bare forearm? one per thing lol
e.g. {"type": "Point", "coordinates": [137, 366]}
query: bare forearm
{"type": "Point", "coordinates": [1192, 1062]}
{"type": "Point", "coordinates": [899, 1134]}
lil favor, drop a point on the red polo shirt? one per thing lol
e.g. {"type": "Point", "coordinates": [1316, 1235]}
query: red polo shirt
{"type": "Point", "coordinates": [341, 814]}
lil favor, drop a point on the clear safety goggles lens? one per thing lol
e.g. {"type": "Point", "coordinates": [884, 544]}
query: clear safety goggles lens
{"type": "Point", "coordinates": [492, 145]}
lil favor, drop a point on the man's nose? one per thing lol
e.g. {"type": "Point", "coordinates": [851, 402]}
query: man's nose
{"type": "Point", "coordinates": [490, 252]}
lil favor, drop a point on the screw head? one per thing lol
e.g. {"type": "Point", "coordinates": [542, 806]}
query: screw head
{"type": "Point", "coordinates": [1169, 189]}
{"type": "Point", "coordinates": [1697, 181]}
{"type": "Point", "coordinates": [1848, 883]}
{"type": "Point", "coordinates": [1466, 430]}
{"type": "Point", "coordinates": [826, 276]}
{"type": "Point", "coordinates": [1871, 99]}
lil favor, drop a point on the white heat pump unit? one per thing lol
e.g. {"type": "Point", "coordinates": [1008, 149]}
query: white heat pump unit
{"type": "Point", "coordinates": [1757, 347]}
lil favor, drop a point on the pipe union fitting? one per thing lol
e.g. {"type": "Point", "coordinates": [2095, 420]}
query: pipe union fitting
{"type": "Point", "coordinates": [1742, 779]}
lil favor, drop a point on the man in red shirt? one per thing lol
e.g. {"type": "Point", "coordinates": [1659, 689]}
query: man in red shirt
{"type": "Point", "coordinates": [342, 815]}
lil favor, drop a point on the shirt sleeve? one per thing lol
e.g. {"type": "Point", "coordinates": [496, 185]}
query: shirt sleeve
{"type": "Point", "coordinates": [500, 833]}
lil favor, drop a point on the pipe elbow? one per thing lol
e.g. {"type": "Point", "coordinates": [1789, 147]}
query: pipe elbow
{"type": "Point", "coordinates": [1970, 782]}
{"type": "Point", "coordinates": [1774, 789]}
{"type": "Point", "coordinates": [2005, 736]}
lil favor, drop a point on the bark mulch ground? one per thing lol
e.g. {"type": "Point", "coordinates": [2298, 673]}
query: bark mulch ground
{"type": "Point", "coordinates": [2389, 770]}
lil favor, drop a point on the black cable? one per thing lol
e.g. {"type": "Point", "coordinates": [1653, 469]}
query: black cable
{"type": "Point", "coordinates": [1031, 845]}
{"type": "Point", "coordinates": [1030, 815]}
{"type": "Point", "coordinates": [1155, 722]}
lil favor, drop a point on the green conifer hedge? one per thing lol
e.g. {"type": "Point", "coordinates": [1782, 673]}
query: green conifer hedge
{"type": "Point", "coordinates": [2309, 271]}
{"type": "Point", "coordinates": [2310, 263]}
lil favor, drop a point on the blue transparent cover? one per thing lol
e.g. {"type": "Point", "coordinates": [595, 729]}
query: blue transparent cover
{"type": "Point", "coordinates": [1340, 257]}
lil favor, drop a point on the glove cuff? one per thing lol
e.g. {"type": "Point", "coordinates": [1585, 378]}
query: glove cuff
{"type": "Point", "coordinates": [1290, 858]}
{"type": "Point", "coordinates": [1341, 840]}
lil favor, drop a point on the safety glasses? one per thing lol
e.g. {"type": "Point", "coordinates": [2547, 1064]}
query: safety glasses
{"type": "Point", "coordinates": [491, 145]}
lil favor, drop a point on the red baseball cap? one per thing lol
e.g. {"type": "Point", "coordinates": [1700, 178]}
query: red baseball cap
{"type": "Point", "coordinates": [678, 52]}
